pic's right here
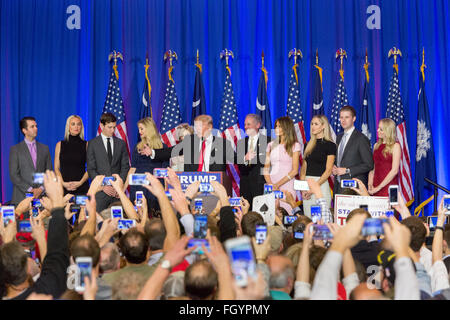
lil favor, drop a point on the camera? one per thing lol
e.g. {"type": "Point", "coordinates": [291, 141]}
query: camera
{"type": "Point", "coordinates": [107, 181]}
{"type": "Point", "coordinates": [138, 179]}
{"type": "Point", "coordinates": [160, 173]}
{"type": "Point", "coordinates": [38, 178]}
{"type": "Point", "coordinates": [299, 231]}
{"type": "Point", "coordinates": [349, 184]}
{"type": "Point", "coordinates": [393, 195]}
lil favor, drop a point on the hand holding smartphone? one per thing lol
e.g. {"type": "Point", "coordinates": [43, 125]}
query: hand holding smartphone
{"type": "Point", "coordinates": [393, 195]}
{"type": "Point", "coordinates": [261, 233]}
{"type": "Point", "coordinates": [84, 269]}
{"type": "Point", "coordinates": [243, 264]}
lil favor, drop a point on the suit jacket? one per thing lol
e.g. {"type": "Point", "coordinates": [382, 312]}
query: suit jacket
{"type": "Point", "coordinates": [357, 157]}
{"type": "Point", "coordinates": [221, 152]}
{"type": "Point", "coordinates": [97, 158]}
{"type": "Point", "coordinates": [21, 167]}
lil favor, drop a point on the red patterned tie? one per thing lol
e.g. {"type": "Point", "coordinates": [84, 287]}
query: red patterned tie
{"type": "Point", "coordinates": [202, 155]}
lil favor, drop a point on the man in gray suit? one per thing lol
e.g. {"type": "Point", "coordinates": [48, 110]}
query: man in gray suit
{"type": "Point", "coordinates": [26, 158]}
{"type": "Point", "coordinates": [354, 156]}
{"type": "Point", "coordinates": [107, 155]}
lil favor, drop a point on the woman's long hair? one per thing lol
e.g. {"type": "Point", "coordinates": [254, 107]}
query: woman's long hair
{"type": "Point", "coordinates": [67, 130]}
{"type": "Point", "coordinates": [151, 137]}
{"type": "Point", "coordinates": [290, 138]}
{"type": "Point", "coordinates": [390, 136]}
{"type": "Point", "coordinates": [326, 134]}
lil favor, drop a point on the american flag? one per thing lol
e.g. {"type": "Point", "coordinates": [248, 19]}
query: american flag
{"type": "Point", "coordinates": [294, 110]}
{"type": "Point", "coordinates": [229, 126]}
{"type": "Point", "coordinates": [171, 116]}
{"type": "Point", "coordinates": [340, 100]}
{"type": "Point", "coordinates": [114, 105]}
{"type": "Point", "coordinates": [395, 112]}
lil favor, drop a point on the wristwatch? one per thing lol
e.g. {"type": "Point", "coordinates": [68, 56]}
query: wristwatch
{"type": "Point", "coordinates": [439, 228]}
{"type": "Point", "coordinates": [347, 171]}
{"type": "Point", "coordinates": [166, 264]}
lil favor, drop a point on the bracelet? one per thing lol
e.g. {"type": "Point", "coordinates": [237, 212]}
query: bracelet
{"type": "Point", "coordinates": [188, 199]}
{"type": "Point", "coordinates": [439, 228]}
{"type": "Point", "coordinates": [289, 177]}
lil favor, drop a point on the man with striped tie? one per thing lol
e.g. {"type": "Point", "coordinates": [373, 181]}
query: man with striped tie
{"type": "Point", "coordinates": [354, 156]}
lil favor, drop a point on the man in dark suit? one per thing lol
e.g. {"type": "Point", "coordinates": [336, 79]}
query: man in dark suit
{"type": "Point", "coordinates": [26, 158]}
{"type": "Point", "coordinates": [107, 155]}
{"type": "Point", "coordinates": [250, 157]}
{"type": "Point", "coordinates": [201, 151]}
{"type": "Point", "coordinates": [354, 156]}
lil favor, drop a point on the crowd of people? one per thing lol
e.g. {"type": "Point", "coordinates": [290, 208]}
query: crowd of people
{"type": "Point", "coordinates": [154, 258]}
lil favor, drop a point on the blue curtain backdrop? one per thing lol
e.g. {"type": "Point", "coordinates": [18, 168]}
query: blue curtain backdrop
{"type": "Point", "coordinates": [50, 71]}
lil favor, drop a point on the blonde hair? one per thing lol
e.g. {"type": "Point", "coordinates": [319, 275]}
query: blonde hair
{"type": "Point", "coordinates": [290, 138]}
{"type": "Point", "coordinates": [326, 134]}
{"type": "Point", "coordinates": [183, 130]}
{"type": "Point", "coordinates": [390, 136]}
{"type": "Point", "coordinates": [151, 137]}
{"type": "Point", "coordinates": [67, 130]}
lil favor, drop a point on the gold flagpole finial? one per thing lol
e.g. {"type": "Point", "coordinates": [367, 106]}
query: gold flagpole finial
{"type": "Point", "coordinates": [395, 52]}
{"type": "Point", "coordinates": [262, 58]}
{"type": "Point", "coordinates": [341, 54]}
{"type": "Point", "coordinates": [115, 56]}
{"type": "Point", "coordinates": [170, 55]}
{"type": "Point", "coordinates": [226, 54]}
{"type": "Point", "coordinates": [197, 57]}
{"type": "Point", "coordinates": [295, 53]}
{"type": "Point", "coordinates": [317, 56]}
{"type": "Point", "coordinates": [366, 66]}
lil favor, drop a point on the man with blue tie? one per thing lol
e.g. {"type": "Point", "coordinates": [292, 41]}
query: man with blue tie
{"type": "Point", "coordinates": [25, 159]}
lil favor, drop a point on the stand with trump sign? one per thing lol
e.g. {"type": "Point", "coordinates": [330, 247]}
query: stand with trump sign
{"type": "Point", "coordinates": [343, 204]}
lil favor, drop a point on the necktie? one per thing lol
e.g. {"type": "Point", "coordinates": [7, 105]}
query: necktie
{"type": "Point", "coordinates": [202, 155]}
{"type": "Point", "coordinates": [33, 154]}
{"type": "Point", "coordinates": [341, 149]}
{"type": "Point", "coordinates": [109, 150]}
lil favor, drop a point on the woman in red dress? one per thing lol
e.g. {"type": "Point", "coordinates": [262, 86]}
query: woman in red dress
{"type": "Point", "coordinates": [386, 159]}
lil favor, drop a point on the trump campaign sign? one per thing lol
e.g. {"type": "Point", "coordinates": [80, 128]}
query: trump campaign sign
{"type": "Point", "coordinates": [186, 178]}
{"type": "Point", "coordinates": [343, 204]}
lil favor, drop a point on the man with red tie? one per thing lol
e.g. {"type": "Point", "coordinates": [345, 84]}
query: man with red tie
{"type": "Point", "coordinates": [201, 151]}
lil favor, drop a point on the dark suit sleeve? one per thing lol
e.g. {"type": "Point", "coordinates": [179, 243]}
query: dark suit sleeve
{"type": "Point", "coordinates": [14, 170]}
{"type": "Point", "coordinates": [164, 154]}
{"type": "Point", "coordinates": [48, 160]}
{"type": "Point", "coordinates": [91, 163]}
{"type": "Point", "coordinates": [124, 162]}
{"type": "Point", "coordinates": [365, 153]}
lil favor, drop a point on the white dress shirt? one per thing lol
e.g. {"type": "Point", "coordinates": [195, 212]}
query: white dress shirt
{"type": "Point", "coordinates": [105, 143]}
{"type": "Point", "coordinates": [349, 134]}
{"type": "Point", "coordinates": [207, 154]}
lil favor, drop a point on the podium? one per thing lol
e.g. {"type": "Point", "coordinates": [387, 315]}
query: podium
{"type": "Point", "coordinates": [209, 201]}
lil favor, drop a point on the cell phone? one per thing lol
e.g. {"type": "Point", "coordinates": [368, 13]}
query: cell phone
{"type": "Point", "coordinates": [25, 226]}
{"type": "Point", "coordinates": [289, 220]}
{"type": "Point", "coordinates": [168, 195]}
{"type": "Point", "coordinates": [126, 223]}
{"type": "Point", "coordinates": [38, 178]}
{"type": "Point", "coordinates": [35, 212]}
{"type": "Point", "coordinates": [81, 200]}
{"type": "Point", "coordinates": [364, 206]}
{"type": "Point", "coordinates": [373, 226]}
{"type": "Point", "coordinates": [200, 226]}
{"type": "Point", "coordinates": [235, 202]}
{"type": "Point", "coordinates": [8, 215]}
{"type": "Point", "coordinates": [299, 231]}
{"type": "Point", "coordinates": [84, 269]}
{"type": "Point", "coordinates": [198, 244]}
{"type": "Point", "coordinates": [243, 264]}
{"type": "Point", "coordinates": [116, 212]}
{"type": "Point", "coordinates": [206, 187]}
{"type": "Point", "coordinates": [268, 188]}
{"type": "Point", "coordinates": [316, 214]}
{"type": "Point", "coordinates": [446, 204]}
{"type": "Point", "coordinates": [139, 196]}
{"type": "Point", "coordinates": [349, 183]}
{"type": "Point", "coordinates": [261, 233]}
{"type": "Point", "coordinates": [160, 173]}
{"type": "Point", "coordinates": [432, 222]}
{"type": "Point", "coordinates": [107, 181]}
{"type": "Point", "coordinates": [321, 232]}
{"type": "Point", "coordinates": [389, 213]}
{"type": "Point", "coordinates": [301, 185]}
{"type": "Point", "coordinates": [198, 204]}
{"type": "Point", "coordinates": [29, 195]}
{"type": "Point", "coordinates": [36, 203]}
{"type": "Point", "coordinates": [393, 195]}
{"type": "Point", "coordinates": [138, 179]}
{"type": "Point", "coordinates": [278, 194]}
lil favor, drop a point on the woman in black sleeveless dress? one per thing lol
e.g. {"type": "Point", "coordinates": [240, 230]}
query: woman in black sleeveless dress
{"type": "Point", "coordinates": [70, 158]}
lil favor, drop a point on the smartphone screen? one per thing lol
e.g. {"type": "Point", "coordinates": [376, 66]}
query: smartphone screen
{"type": "Point", "coordinates": [25, 226]}
{"type": "Point", "coordinates": [200, 226]}
{"type": "Point", "coordinates": [393, 194]}
{"type": "Point", "coordinates": [107, 181]}
{"type": "Point", "coordinates": [8, 215]}
{"type": "Point", "coordinates": [81, 200]}
{"type": "Point", "coordinates": [242, 259]}
{"type": "Point", "coordinates": [206, 187]}
{"type": "Point", "coordinates": [160, 172]}
{"type": "Point", "coordinates": [288, 220]}
{"type": "Point", "coordinates": [36, 203]}
{"type": "Point", "coordinates": [38, 178]}
{"type": "Point", "coordinates": [138, 179]}
{"type": "Point", "coordinates": [139, 196]}
{"type": "Point", "coordinates": [261, 233]}
{"type": "Point", "coordinates": [35, 212]}
{"type": "Point", "coordinates": [373, 226]}
{"type": "Point", "coordinates": [29, 195]}
{"type": "Point", "coordinates": [126, 223]}
{"type": "Point", "coordinates": [348, 184]}
{"type": "Point", "coordinates": [446, 203]}
{"type": "Point", "coordinates": [198, 244]}
{"type": "Point", "coordinates": [301, 185]}
{"type": "Point", "coordinates": [198, 204]}
{"type": "Point", "coordinates": [316, 214]}
{"type": "Point", "coordinates": [84, 266]}
{"type": "Point", "coordinates": [116, 212]}
{"type": "Point", "coordinates": [321, 232]}
{"type": "Point", "coordinates": [278, 194]}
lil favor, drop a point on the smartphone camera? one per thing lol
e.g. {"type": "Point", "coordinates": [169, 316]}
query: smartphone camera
{"type": "Point", "coordinates": [107, 181]}
{"type": "Point", "coordinates": [84, 269]}
{"type": "Point", "coordinates": [278, 194]}
{"type": "Point", "coordinates": [198, 204]}
{"type": "Point", "coordinates": [321, 232]}
{"type": "Point", "coordinates": [126, 224]}
{"type": "Point", "coordinates": [299, 231]}
{"type": "Point", "coordinates": [206, 187]}
{"type": "Point", "coordinates": [168, 195]}
{"type": "Point", "coordinates": [200, 226]}
{"type": "Point", "coordinates": [8, 215]}
{"type": "Point", "coordinates": [446, 204]}
{"type": "Point", "coordinates": [138, 179]}
{"type": "Point", "coordinates": [301, 185]}
{"type": "Point", "coordinates": [36, 203]}
{"type": "Point", "coordinates": [38, 178]}
{"type": "Point", "coordinates": [197, 243]}
{"type": "Point", "coordinates": [316, 214]}
{"type": "Point", "coordinates": [139, 196]}
{"type": "Point", "coordinates": [268, 188]}
{"type": "Point", "coordinates": [81, 200]}
{"type": "Point", "coordinates": [289, 220]}
{"type": "Point", "coordinates": [160, 173]}
{"type": "Point", "coordinates": [393, 195]}
{"type": "Point", "coordinates": [25, 226]}
{"type": "Point", "coordinates": [373, 227]}
{"type": "Point", "coordinates": [116, 212]}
